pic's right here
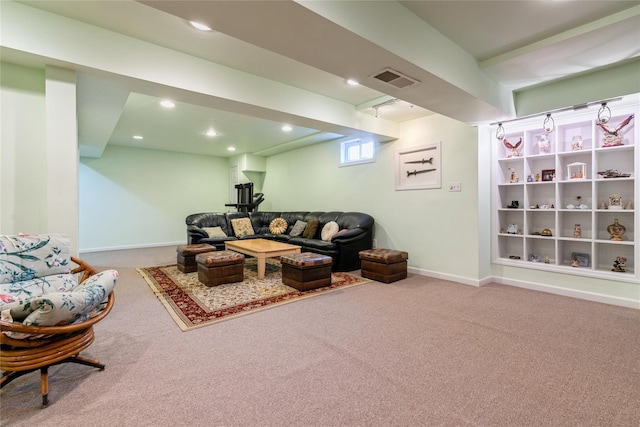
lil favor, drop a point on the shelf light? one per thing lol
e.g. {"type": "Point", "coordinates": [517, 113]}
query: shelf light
{"type": "Point", "coordinates": [287, 128]}
{"type": "Point", "coordinates": [138, 137]}
{"type": "Point", "coordinates": [167, 104]}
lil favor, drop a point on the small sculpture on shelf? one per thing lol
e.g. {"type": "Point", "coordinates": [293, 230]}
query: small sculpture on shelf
{"type": "Point", "coordinates": [513, 178]}
{"type": "Point", "coordinates": [577, 231]}
{"type": "Point", "coordinates": [513, 147]}
{"type": "Point", "coordinates": [514, 205]}
{"type": "Point", "coordinates": [613, 137]}
{"type": "Point", "coordinates": [620, 264]}
{"type": "Point", "coordinates": [512, 229]}
{"type": "Point", "coordinates": [615, 202]}
{"type": "Point", "coordinates": [616, 230]}
{"type": "Point", "coordinates": [575, 262]}
{"type": "Point", "coordinates": [577, 170]}
{"type": "Point", "coordinates": [613, 173]}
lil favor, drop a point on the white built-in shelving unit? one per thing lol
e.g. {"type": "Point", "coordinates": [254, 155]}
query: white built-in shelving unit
{"type": "Point", "coordinates": [524, 204]}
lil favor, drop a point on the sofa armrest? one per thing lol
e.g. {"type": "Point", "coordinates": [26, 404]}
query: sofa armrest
{"type": "Point", "coordinates": [195, 233]}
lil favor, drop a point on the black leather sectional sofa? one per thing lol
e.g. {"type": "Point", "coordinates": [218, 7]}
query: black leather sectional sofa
{"type": "Point", "coordinates": [356, 232]}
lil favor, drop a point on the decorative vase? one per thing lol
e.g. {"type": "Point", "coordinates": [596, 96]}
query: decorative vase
{"type": "Point", "coordinates": [544, 145]}
{"type": "Point", "coordinates": [576, 143]}
{"type": "Point", "coordinates": [616, 230]}
{"type": "Point", "coordinates": [577, 231]}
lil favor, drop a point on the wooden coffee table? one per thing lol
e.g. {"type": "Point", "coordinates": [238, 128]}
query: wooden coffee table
{"type": "Point", "coordinates": [262, 249]}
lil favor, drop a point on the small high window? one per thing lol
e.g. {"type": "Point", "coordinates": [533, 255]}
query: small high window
{"type": "Point", "coordinates": [356, 152]}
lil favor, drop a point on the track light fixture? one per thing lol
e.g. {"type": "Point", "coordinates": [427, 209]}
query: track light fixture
{"type": "Point", "coordinates": [548, 124]}
{"type": "Point", "coordinates": [604, 113]}
{"type": "Point", "coordinates": [500, 132]}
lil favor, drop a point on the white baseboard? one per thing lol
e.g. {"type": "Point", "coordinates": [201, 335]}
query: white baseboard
{"type": "Point", "coordinates": [442, 276]}
{"type": "Point", "coordinates": [119, 248]}
{"type": "Point", "coordinates": [556, 290]}
{"type": "Point", "coordinates": [567, 292]}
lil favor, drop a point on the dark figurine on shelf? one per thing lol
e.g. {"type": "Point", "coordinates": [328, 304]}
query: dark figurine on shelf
{"type": "Point", "coordinates": [620, 264]}
{"type": "Point", "coordinates": [514, 204]}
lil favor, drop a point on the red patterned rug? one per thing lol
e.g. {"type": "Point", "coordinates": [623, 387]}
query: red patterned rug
{"type": "Point", "coordinates": [192, 304]}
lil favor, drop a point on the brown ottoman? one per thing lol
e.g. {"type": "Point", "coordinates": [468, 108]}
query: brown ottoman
{"type": "Point", "coordinates": [306, 270]}
{"type": "Point", "coordinates": [383, 265]}
{"type": "Point", "coordinates": [216, 268]}
{"type": "Point", "coordinates": [187, 256]}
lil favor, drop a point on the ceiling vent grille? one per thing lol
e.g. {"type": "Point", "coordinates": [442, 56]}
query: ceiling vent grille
{"type": "Point", "coordinates": [395, 79]}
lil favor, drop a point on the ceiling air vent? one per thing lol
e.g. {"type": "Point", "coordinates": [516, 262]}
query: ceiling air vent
{"type": "Point", "coordinates": [395, 79]}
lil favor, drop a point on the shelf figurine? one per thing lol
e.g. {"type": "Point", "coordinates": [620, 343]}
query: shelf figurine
{"type": "Point", "coordinates": [513, 147]}
{"type": "Point", "coordinates": [613, 137]}
{"type": "Point", "coordinates": [620, 264]}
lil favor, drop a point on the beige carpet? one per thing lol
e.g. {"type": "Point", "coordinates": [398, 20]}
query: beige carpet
{"type": "Point", "coordinates": [192, 305]}
{"type": "Point", "coordinates": [418, 352]}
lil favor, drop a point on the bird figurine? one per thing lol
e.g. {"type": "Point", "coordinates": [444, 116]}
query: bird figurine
{"type": "Point", "coordinates": [612, 137]}
{"type": "Point", "coordinates": [513, 147]}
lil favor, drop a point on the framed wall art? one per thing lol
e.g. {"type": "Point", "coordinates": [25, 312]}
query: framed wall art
{"type": "Point", "coordinates": [419, 168]}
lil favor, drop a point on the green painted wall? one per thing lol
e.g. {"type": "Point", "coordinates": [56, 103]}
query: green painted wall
{"type": "Point", "coordinates": [438, 228]}
{"type": "Point", "coordinates": [131, 197]}
{"type": "Point", "coordinates": [23, 158]}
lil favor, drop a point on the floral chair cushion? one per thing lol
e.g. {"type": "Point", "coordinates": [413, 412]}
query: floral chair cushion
{"type": "Point", "coordinates": [12, 293]}
{"type": "Point", "coordinates": [62, 308]}
{"type": "Point", "coordinates": [24, 257]}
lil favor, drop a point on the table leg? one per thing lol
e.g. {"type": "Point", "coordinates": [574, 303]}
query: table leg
{"type": "Point", "coordinates": [262, 265]}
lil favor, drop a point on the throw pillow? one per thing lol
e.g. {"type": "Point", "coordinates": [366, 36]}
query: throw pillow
{"type": "Point", "coordinates": [298, 228]}
{"type": "Point", "coordinates": [329, 230]}
{"type": "Point", "coordinates": [214, 232]}
{"type": "Point", "coordinates": [311, 229]}
{"type": "Point", "coordinates": [242, 227]}
{"type": "Point", "coordinates": [278, 226]}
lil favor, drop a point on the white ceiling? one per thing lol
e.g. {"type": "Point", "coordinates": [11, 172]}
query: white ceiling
{"type": "Point", "coordinates": [314, 46]}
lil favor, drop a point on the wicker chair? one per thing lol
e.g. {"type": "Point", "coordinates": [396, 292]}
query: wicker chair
{"type": "Point", "coordinates": [52, 345]}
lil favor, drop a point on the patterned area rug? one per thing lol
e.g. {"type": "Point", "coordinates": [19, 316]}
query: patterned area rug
{"type": "Point", "coordinates": [192, 304]}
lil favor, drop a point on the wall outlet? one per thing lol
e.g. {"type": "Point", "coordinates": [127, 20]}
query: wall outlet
{"type": "Point", "coordinates": [375, 243]}
{"type": "Point", "coordinates": [455, 186]}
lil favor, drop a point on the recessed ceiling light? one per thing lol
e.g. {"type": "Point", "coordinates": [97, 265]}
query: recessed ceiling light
{"type": "Point", "coordinates": [138, 137]}
{"type": "Point", "coordinates": [352, 82]}
{"type": "Point", "coordinates": [199, 26]}
{"type": "Point", "coordinates": [231, 148]}
{"type": "Point", "coordinates": [211, 132]}
{"type": "Point", "coordinates": [286, 128]}
{"type": "Point", "coordinates": [167, 104]}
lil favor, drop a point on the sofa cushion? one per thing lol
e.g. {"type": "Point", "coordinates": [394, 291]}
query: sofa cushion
{"type": "Point", "coordinates": [329, 230]}
{"type": "Point", "coordinates": [214, 232]}
{"type": "Point", "coordinates": [242, 227]}
{"type": "Point", "coordinates": [311, 229]}
{"type": "Point", "coordinates": [25, 257]}
{"type": "Point", "coordinates": [298, 228]}
{"type": "Point", "coordinates": [278, 226]}
{"type": "Point", "coordinates": [63, 308]}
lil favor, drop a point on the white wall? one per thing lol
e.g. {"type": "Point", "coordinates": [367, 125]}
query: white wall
{"type": "Point", "coordinates": [438, 228]}
{"type": "Point", "coordinates": [132, 198]}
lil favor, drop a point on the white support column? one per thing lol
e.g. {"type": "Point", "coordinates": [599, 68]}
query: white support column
{"type": "Point", "coordinates": [62, 154]}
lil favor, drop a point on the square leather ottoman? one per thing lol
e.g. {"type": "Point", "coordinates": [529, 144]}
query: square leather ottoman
{"type": "Point", "coordinates": [383, 265]}
{"type": "Point", "coordinates": [306, 271]}
{"type": "Point", "coordinates": [216, 268]}
{"type": "Point", "coordinates": [187, 256]}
